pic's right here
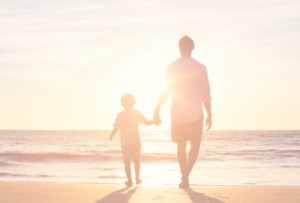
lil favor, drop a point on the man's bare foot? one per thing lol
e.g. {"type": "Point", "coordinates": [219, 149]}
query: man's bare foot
{"type": "Point", "coordinates": [128, 183]}
{"type": "Point", "coordinates": [184, 183]}
{"type": "Point", "coordinates": [138, 182]}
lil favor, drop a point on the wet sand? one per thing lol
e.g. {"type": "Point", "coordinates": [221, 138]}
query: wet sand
{"type": "Point", "coordinates": [14, 192]}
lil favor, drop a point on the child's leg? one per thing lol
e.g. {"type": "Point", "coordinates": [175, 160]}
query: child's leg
{"type": "Point", "coordinates": [128, 172]}
{"type": "Point", "coordinates": [136, 151]}
{"type": "Point", "coordinates": [127, 161]}
{"type": "Point", "coordinates": [137, 167]}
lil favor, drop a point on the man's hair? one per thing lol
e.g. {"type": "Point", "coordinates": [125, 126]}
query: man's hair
{"type": "Point", "coordinates": [186, 44]}
{"type": "Point", "coordinates": [128, 100]}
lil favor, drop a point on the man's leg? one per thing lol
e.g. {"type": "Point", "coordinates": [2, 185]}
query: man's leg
{"type": "Point", "coordinates": [137, 167]}
{"type": "Point", "coordinates": [192, 158]}
{"type": "Point", "coordinates": [181, 156]}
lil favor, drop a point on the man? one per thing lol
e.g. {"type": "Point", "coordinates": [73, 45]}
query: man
{"type": "Point", "coordinates": [187, 80]}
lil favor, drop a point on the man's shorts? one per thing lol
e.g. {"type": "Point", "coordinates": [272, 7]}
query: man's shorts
{"type": "Point", "coordinates": [187, 132]}
{"type": "Point", "coordinates": [131, 152]}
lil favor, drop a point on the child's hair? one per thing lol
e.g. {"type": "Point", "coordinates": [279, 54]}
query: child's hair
{"type": "Point", "coordinates": [128, 100]}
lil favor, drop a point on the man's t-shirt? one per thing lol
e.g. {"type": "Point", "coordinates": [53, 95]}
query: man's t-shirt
{"type": "Point", "coordinates": [187, 80]}
{"type": "Point", "coordinates": [128, 122]}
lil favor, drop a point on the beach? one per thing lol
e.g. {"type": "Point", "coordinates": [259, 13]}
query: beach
{"type": "Point", "coordinates": [99, 95]}
{"type": "Point", "coordinates": [14, 192]}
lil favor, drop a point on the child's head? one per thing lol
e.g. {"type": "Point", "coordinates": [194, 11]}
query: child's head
{"type": "Point", "coordinates": [128, 101]}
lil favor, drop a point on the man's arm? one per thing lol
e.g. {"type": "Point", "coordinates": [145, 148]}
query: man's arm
{"type": "Point", "coordinates": [206, 98]}
{"type": "Point", "coordinates": [115, 130]}
{"type": "Point", "coordinates": [208, 122]}
{"type": "Point", "coordinates": [163, 97]}
{"type": "Point", "coordinates": [156, 117]}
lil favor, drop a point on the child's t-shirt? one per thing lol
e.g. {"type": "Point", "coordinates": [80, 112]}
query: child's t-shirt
{"type": "Point", "coordinates": [128, 122]}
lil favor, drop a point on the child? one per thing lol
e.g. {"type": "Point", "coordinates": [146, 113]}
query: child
{"type": "Point", "coordinates": [128, 122]}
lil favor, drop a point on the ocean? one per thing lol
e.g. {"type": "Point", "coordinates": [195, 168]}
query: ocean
{"type": "Point", "coordinates": [227, 158]}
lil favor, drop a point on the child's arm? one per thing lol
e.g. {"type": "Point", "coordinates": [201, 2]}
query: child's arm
{"type": "Point", "coordinates": [115, 130]}
{"type": "Point", "coordinates": [149, 122]}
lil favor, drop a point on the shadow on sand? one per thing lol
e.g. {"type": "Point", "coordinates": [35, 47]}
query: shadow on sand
{"type": "Point", "coordinates": [124, 195]}
{"type": "Point", "coordinates": [197, 197]}
{"type": "Point", "coordinates": [119, 196]}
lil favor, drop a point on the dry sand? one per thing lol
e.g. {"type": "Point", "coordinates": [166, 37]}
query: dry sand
{"type": "Point", "coordinates": [83, 193]}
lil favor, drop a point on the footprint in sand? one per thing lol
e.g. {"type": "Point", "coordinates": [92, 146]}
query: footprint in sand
{"type": "Point", "coordinates": [158, 198]}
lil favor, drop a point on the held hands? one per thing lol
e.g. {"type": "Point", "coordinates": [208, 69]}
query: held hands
{"type": "Point", "coordinates": [157, 119]}
{"type": "Point", "coordinates": [208, 122]}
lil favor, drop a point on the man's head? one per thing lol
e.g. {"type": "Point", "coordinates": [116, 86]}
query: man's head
{"type": "Point", "coordinates": [186, 46]}
{"type": "Point", "coordinates": [128, 101]}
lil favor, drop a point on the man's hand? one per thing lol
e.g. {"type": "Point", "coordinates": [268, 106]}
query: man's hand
{"type": "Point", "coordinates": [208, 122]}
{"type": "Point", "coordinates": [111, 137]}
{"type": "Point", "coordinates": [157, 119]}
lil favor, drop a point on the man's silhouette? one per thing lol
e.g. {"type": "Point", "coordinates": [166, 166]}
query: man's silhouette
{"type": "Point", "coordinates": [187, 81]}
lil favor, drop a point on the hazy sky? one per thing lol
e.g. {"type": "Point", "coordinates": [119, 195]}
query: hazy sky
{"type": "Point", "coordinates": [65, 64]}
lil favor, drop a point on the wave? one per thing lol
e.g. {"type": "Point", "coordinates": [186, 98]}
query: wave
{"type": "Point", "coordinates": [113, 155]}
{"type": "Point", "coordinates": [62, 157]}
{"type": "Point", "coordinates": [102, 177]}
{"type": "Point", "coordinates": [52, 157]}
{"type": "Point", "coordinates": [23, 175]}
{"type": "Point", "coordinates": [156, 154]}
{"type": "Point", "coordinates": [275, 152]}
{"type": "Point", "coordinates": [5, 163]}
{"type": "Point", "coordinates": [107, 169]}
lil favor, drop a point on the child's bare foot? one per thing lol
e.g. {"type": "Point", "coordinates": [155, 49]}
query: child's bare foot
{"type": "Point", "coordinates": [128, 183]}
{"type": "Point", "coordinates": [138, 181]}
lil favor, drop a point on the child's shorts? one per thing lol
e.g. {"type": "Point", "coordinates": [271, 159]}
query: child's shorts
{"type": "Point", "coordinates": [131, 152]}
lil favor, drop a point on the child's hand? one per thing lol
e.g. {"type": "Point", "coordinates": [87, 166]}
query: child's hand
{"type": "Point", "coordinates": [115, 130]}
{"type": "Point", "coordinates": [157, 119]}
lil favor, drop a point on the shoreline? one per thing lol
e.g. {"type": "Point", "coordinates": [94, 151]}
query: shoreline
{"type": "Point", "coordinates": [13, 192]}
{"type": "Point", "coordinates": [153, 185]}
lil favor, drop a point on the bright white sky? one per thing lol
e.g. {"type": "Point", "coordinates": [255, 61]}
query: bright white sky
{"type": "Point", "coordinates": [65, 64]}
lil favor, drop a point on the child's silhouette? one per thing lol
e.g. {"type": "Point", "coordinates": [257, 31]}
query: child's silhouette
{"type": "Point", "coordinates": [128, 122]}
